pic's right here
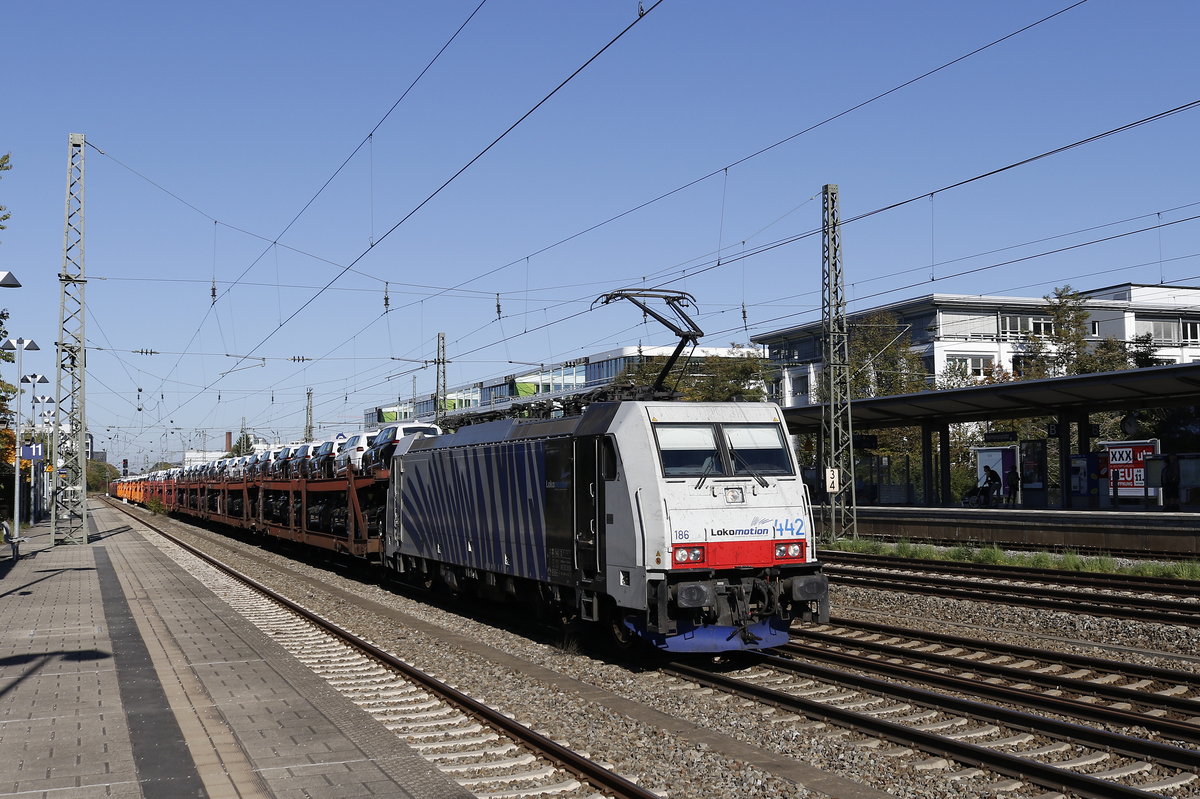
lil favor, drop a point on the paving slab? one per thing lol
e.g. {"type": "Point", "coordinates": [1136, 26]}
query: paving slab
{"type": "Point", "coordinates": [122, 676]}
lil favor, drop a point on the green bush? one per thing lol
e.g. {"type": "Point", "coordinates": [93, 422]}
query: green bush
{"type": "Point", "coordinates": [1105, 564]}
{"type": "Point", "coordinates": [926, 552]}
{"type": "Point", "coordinates": [960, 552]}
{"type": "Point", "coordinates": [156, 506]}
{"type": "Point", "coordinates": [1041, 560]}
{"type": "Point", "coordinates": [989, 555]}
{"type": "Point", "coordinates": [1071, 561]}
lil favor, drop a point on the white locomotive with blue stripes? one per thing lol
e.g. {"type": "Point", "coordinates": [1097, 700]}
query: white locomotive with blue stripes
{"type": "Point", "coordinates": [684, 524]}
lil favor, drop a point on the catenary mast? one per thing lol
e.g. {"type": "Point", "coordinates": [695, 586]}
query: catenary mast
{"type": "Point", "coordinates": [68, 520]}
{"type": "Point", "coordinates": [836, 431]}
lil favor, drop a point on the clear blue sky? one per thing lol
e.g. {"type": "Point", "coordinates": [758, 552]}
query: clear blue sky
{"type": "Point", "coordinates": [243, 110]}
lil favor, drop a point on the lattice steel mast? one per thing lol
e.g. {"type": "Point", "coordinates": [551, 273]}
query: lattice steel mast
{"type": "Point", "coordinates": [836, 430]}
{"type": "Point", "coordinates": [308, 416]}
{"type": "Point", "coordinates": [68, 521]}
{"type": "Point", "coordinates": [440, 404]}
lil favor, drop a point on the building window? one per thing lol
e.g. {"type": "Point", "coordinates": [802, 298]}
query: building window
{"type": "Point", "coordinates": [1191, 332]}
{"type": "Point", "coordinates": [1163, 331]}
{"type": "Point", "coordinates": [1023, 363]}
{"type": "Point", "coordinates": [1095, 328]}
{"type": "Point", "coordinates": [1011, 327]}
{"type": "Point", "coordinates": [799, 385]}
{"type": "Point", "coordinates": [972, 365]}
{"type": "Point", "coordinates": [1041, 325]}
{"type": "Point", "coordinates": [968, 324]}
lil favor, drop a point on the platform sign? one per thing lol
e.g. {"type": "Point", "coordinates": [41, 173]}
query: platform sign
{"type": "Point", "coordinates": [1127, 467]}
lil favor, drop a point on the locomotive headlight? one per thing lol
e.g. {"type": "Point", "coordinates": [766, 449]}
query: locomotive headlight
{"type": "Point", "coordinates": [689, 555]}
{"type": "Point", "coordinates": [681, 555]}
{"type": "Point", "coordinates": [793, 550]}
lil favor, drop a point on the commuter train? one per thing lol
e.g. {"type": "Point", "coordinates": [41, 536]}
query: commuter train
{"type": "Point", "coordinates": [684, 525]}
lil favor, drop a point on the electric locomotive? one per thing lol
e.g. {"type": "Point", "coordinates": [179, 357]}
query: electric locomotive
{"type": "Point", "coordinates": [683, 524]}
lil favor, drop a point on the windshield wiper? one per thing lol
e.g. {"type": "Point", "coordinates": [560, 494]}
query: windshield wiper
{"type": "Point", "coordinates": [708, 468]}
{"type": "Point", "coordinates": [762, 481]}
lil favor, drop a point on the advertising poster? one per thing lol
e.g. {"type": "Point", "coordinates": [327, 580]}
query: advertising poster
{"type": "Point", "coordinates": [1033, 464]}
{"type": "Point", "coordinates": [1127, 466]}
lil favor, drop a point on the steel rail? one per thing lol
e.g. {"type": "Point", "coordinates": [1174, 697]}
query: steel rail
{"type": "Point", "coordinates": [571, 761]}
{"type": "Point", "coordinates": [1081, 661]}
{"type": "Point", "coordinates": [1166, 754]}
{"type": "Point", "coordinates": [1185, 614]}
{"type": "Point", "coordinates": [1022, 768]}
{"type": "Point", "coordinates": [1181, 730]}
{"type": "Point", "coordinates": [1083, 549]}
{"type": "Point", "coordinates": [1112, 582]}
{"type": "Point", "coordinates": [1150, 603]}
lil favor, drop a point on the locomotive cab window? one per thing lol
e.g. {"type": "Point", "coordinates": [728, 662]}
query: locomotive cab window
{"type": "Point", "coordinates": [757, 449]}
{"type": "Point", "coordinates": [608, 459]}
{"type": "Point", "coordinates": [688, 450]}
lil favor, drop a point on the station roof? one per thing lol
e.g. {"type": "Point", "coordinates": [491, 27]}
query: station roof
{"type": "Point", "coordinates": [1133, 389]}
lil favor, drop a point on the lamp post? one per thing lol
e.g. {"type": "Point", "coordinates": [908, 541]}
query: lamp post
{"type": "Point", "coordinates": [37, 474]}
{"type": "Point", "coordinates": [32, 381]}
{"type": "Point", "coordinates": [19, 345]}
{"type": "Point", "coordinates": [43, 400]}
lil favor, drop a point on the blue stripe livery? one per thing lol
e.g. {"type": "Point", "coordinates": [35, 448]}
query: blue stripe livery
{"type": "Point", "coordinates": [480, 505]}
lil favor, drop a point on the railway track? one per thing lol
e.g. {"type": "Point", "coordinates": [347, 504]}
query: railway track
{"type": "Point", "coordinates": [481, 748]}
{"type": "Point", "coordinates": [1032, 750]}
{"type": "Point", "coordinates": [1048, 689]}
{"type": "Point", "coordinates": [1173, 682]}
{"type": "Point", "coordinates": [1144, 605]}
{"type": "Point", "coordinates": [1142, 553]}
{"type": "Point", "coordinates": [1182, 589]}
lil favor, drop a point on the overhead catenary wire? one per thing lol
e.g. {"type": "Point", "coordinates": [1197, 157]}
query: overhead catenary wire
{"type": "Point", "coordinates": [452, 178]}
{"type": "Point", "coordinates": [735, 163]}
{"type": "Point", "coordinates": [764, 150]}
{"type": "Point", "coordinates": [759, 323]}
{"type": "Point", "coordinates": [723, 264]}
{"type": "Point", "coordinates": [319, 191]}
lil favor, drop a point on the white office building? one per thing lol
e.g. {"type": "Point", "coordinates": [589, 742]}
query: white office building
{"type": "Point", "coordinates": [976, 332]}
{"type": "Point", "coordinates": [535, 382]}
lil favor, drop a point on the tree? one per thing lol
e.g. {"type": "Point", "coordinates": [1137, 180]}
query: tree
{"type": "Point", "coordinates": [7, 390]}
{"type": "Point", "coordinates": [1142, 352]}
{"type": "Point", "coordinates": [738, 378]}
{"type": "Point", "coordinates": [1069, 330]}
{"type": "Point", "coordinates": [1109, 355]}
{"type": "Point", "coordinates": [883, 362]}
{"type": "Point", "coordinates": [100, 474]}
{"type": "Point", "coordinates": [243, 446]}
{"type": "Point", "coordinates": [1034, 358]}
{"type": "Point", "coordinates": [4, 167]}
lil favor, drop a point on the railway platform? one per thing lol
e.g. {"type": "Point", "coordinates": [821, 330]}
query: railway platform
{"type": "Point", "coordinates": [122, 676]}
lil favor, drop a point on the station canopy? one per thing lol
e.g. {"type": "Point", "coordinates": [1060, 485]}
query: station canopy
{"type": "Point", "coordinates": [1074, 395]}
